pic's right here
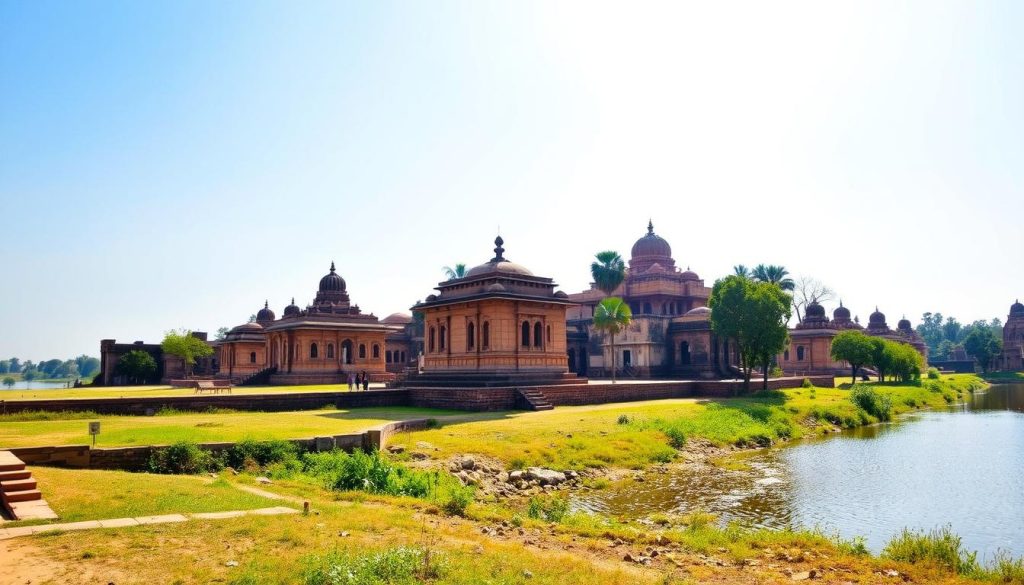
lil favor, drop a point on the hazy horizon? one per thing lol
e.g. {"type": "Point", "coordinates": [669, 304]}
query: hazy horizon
{"type": "Point", "coordinates": [174, 164]}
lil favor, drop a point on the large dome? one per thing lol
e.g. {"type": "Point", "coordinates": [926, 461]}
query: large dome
{"type": "Point", "coordinates": [904, 324]}
{"type": "Point", "coordinates": [332, 282]}
{"type": "Point", "coordinates": [877, 318]}
{"type": "Point", "coordinates": [841, 313]}
{"type": "Point", "coordinates": [397, 319]}
{"type": "Point", "coordinates": [815, 311]}
{"type": "Point", "coordinates": [498, 264]}
{"type": "Point", "coordinates": [265, 315]}
{"type": "Point", "coordinates": [292, 309]}
{"type": "Point", "coordinates": [1017, 308]}
{"type": "Point", "coordinates": [651, 245]}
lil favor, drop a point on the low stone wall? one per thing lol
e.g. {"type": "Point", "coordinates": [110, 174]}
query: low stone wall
{"type": "Point", "coordinates": [200, 402]}
{"type": "Point", "coordinates": [137, 458]}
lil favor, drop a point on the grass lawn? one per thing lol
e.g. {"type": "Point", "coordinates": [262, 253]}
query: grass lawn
{"type": "Point", "coordinates": [144, 391]}
{"type": "Point", "coordinates": [163, 429]}
{"type": "Point", "coordinates": [92, 494]}
{"type": "Point", "coordinates": [633, 434]}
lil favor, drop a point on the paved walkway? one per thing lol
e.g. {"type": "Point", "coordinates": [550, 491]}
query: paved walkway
{"type": "Point", "coordinates": [17, 531]}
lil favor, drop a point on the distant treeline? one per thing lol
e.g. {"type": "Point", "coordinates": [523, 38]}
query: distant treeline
{"type": "Point", "coordinates": [82, 366]}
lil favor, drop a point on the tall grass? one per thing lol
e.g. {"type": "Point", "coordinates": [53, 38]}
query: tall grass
{"type": "Point", "coordinates": [872, 402]}
{"type": "Point", "coordinates": [939, 547]}
{"type": "Point", "coordinates": [394, 566]}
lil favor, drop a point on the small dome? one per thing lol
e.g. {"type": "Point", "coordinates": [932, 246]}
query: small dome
{"type": "Point", "coordinates": [251, 327]}
{"type": "Point", "coordinates": [431, 298]}
{"type": "Point", "coordinates": [841, 313]}
{"type": "Point", "coordinates": [496, 287]}
{"type": "Point", "coordinates": [265, 315]}
{"type": "Point", "coordinates": [698, 311]}
{"type": "Point", "coordinates": [292, 309]}
{"type": "Point", "coordinates": [877, 318]}
{"type": "Point", "coordinates": [397, 319]}
{"type": "Point", "coordinates": [651, 245]}
{"type": "Point", "coordinates": [332, 282]}
{"type": "Point", "coordinates": [814, 311]}
{"type": "Point", "coordinates": [498, 264]}
{"type": "Point", "coordinates": [904, 324]}
{"type": "Point", "coordinates": [690, 275]}
{"type": "Point", "coordinates": [1017, 308]}
{"type": "Point", "coordinates": [560, 295]}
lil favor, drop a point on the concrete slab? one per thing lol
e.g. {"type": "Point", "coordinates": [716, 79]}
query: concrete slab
{"type": "Point", "coordinates": [274, 511]}
{"type": "Point", "coordinates": [119, 522]}
{"type": "Point", "coordinates": [218, 515]}
{"type": "Point", "coordinates": [164, 519]}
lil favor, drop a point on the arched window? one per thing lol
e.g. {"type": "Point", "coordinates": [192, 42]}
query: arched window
{"type": "Point", "coordinates": [800, 353]}
{"type": "Point", "coordinates": [470, 336]}
{"type": "Point", "coordinates": [526, 334]}
{"type": "Point", "coordinates": [785, 356]}
{"type": "Point", "coordinates": [444, 337]}
{"type": "Point", "coordinates": [538, 335]}
{"type": "Point", "coordinates": [346, 351]}
{"type": "Point", "coordinates": [387, 356]}
{"type": "Point", "coordinates": [252, 357]}
{"type": "Point", "coordinates": [376, 351]}
{"type": "Point", "coordinates": [330, 351]}
{"type": "Point", "coordinates": [430, 342]}
{"type": "Point", "coordinates": [362, 351]}
{"type": "Point", "coordinates": [684, 353]}
{"type": "Point", "coordinates": [312, 351]}
{"type": "Point", "coordinates": [487, 335]}
{"type": "Point", "coordinates": [403, 357]}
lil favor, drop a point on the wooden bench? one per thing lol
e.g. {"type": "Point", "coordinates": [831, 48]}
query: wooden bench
{"type": "Point", "coordinates": [216, 387]}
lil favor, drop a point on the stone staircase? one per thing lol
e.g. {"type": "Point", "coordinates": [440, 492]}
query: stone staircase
{"type": "Point", "coordinates": [535, 399]}
{"type": "Point", "coordinates": [19, 496]}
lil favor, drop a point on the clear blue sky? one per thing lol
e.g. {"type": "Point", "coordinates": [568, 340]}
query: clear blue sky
{"type": "Point", "coordinates": [173, 164]}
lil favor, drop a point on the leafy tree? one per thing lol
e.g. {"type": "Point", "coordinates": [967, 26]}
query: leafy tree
{"type": "Point", "coordinates": [136, 365]}
{"type": "Point", "coordinates": [49, 367]}
{"type": "Point", "coordinates": [983, 345]}
{"type": "Point", "coordinates": [9, 382]}
{"type": "Point", "coordinates": [5, 366]}
{"type": "Point", "coordinates": [221, 333]}
{"type": "Point", "coordinates": [880, 358]}
{"type": "Point", "coordinates": [612, 315]}
{"type": "Point", "coordinates": [458, 272]}
{"type": "Point", "coordinates": [741, 270]}
{"type": "Point", "coordinates": [608, 271]}
{"type": "Point", "coordinates": [87, 366]}
{"type": "Point", "coordinates": [29, 374]}
{"type": "Point", "coordinates": [944, 349]}
{"type": "Point", "coordinates": [774, 275]}
{"type": "Point", "coordinates": [951, 329]}
{"type": "Point", "coordinates": [753, 315]}
{"type": "Point", "coordinates": [930, 330]}
{"type": "Point", "coordinates": [809, 290]}
{"type": "Point", "coordinates": [853, 347]}
{"type": "Point", "coordinates": [183, 345]}
{"type": "Point", "coordinates": [14, 365]}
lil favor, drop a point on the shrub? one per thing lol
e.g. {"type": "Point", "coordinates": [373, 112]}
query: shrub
{"type": "Point", "coordinates": [933, 374]}
{"type": "Point", "coordinates": [458, 499]}
{"type": "Point", "coordinates": [182, 457]}
{"type": "Point", "coordinates": [550, 508]}
{"type": "Point", "coordinates": [806, 383]}
{"type": "Point", "coordinates": [871, 402]}
{"type": "Point", "coordinates": [676, 437]}
{"type": "Point", "coordinates": [623, 419]}
{"type": "Point", "coordinates": [398, 565]}
{"type": "Point", "coordinates": [261, 453]}
{"type": "Point", "coordinates": [939, 547]}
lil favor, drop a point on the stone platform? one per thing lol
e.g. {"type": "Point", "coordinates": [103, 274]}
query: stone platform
{"type": "Point", "coordinates": [19, 496]}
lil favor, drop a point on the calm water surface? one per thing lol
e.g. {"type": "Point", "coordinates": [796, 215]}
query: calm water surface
{"type": "Point", "coordinates": [34, 385]}
{"type": "Point", "coordinates": [963, 467]}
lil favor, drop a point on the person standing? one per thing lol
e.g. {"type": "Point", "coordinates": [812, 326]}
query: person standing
{"type": "Point", "coordinates": [366, 382]}
{"type": "Point", "coordinates": [351, 380]}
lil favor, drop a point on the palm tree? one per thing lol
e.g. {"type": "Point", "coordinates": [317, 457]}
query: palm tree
{"type": "Point", "coordinates": [775, 275]}
{"type": "Point", "coordinates": [458, 272]}
{"type": "Point", "coordinates": [608, 271]}
{"type": "Point", "coordinates": [612, 315]}
{"type": "Point", "coordinates": [741, 270]}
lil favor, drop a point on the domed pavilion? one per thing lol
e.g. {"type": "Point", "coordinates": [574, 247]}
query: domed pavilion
{"type": "Point", "coordinates": [498, 325]}
{"type": "Point", "coordinates": [1012, 358]}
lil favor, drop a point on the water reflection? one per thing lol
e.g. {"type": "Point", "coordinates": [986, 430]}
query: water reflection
{"type": "Point", "coordinates": [963, 467]}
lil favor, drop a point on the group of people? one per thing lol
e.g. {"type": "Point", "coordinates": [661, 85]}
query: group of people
{"type": "Point", "coordinates": [359, 381]}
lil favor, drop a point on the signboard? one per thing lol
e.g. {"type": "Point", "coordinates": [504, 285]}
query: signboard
{"type": "Point", "coordinates": [94, 429]}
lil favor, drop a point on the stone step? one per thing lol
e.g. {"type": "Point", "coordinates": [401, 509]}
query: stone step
{"type": "Point", "coordinates": [17, 485]}
{"type": "Point", "coordinates": [11, 466]}
{"type": "Point", "coordinates": [33, 510]}
{"type": "Point", "coordinates": [10, 475]}
{"type": "Point", "coordinates": [21, 496]}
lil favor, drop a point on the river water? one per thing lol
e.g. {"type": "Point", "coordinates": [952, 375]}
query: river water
{"type": "Point", "coordinates": [963, 467]}
{"type": "Point", "coordinates": [34, 385]}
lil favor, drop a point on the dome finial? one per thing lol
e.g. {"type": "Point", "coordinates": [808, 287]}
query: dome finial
{"type": "Point", "coordinates": [332, 265]}
{"type": "Point", "coordinates": [293, 300]}
{"type": "Point", "coordinates": [840, 302]}
{"type": "Point", "coordinates": [266, 304]}
{"type": "Point", "coordinates": [650, 227]}
{"type": "Point", "coordinates": [498, 250]}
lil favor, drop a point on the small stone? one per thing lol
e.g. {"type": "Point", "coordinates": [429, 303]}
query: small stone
{"type": "Point", "coordinates": [468, 463]}
{"type": "Point", "coordinates": [231, 563]}
{"type": "Point", "coordinates": [343, 533]}
{"type": "Point", "coordinates": [527, 574]}
{"type": "Point", "coordinates": [396, 449]}
{"type": "Point", "coordinates": [263, 480]}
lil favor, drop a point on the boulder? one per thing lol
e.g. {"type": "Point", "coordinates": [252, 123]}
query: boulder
{"type": "Point", "coordinates": [545, 476]}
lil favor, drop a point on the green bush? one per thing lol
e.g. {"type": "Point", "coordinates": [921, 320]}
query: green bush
{"type": "Point", "coordinates": [459, 498]}
{"type": "Point", "coordinates": [623, 419]}
{"type": "Point", "coordinates": [871, 402]}
{"type": "Point", "coordinates": [182, 457]}
{"type": "Point", "coordinates": [247, 453]}
{"type": "Point", "coordinates": [395, 566]}
{"type": "Point", "coordinates": [550, 508]}
{"type": "Point", "coordinates": [939, 547]}
{"type": "Point", "coordinates": [676, 437]}
{"type": "Point", "coordinates": [933, 374]}
{"type": "Point", "coordinates": [806, 383]}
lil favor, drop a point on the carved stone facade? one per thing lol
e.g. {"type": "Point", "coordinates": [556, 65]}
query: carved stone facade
{"type": "Point", "coordinates": [1012, 358]}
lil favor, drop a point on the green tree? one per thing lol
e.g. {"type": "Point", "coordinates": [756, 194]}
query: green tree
{"type": "Point", "coordinates": [930, 330]}
{"type": "Point", "coordinates": [951, 329]}
{"type": "Point", "coordinates": [742, 271]}
{"type": "Point", "coordinates": [608, 271]}
{"type": "Point", "coordinates": [612, 315]}
{"type": "Point", "coordinates": [136, 365]}
{"type": "Point", "coordinates": [775, 275]}
{"type": "Point", "coordinates": [14, 365]}
{"type": "Point", "coordinates": [5, 366]}
{"type": "Point", "coordinates": [9, 382]}
{"type": "Point", "coordinates": [458, 272]}
{"type": "Point", "coordinates": [983, 345]}
{"type": "Point", "coordinates": [853, 347]}
{"type": "Point", "coordinates": [753, 315]}
{"type": "Point", "coordinates": [222, 332]}
{"type": "Point", "coordinates": [183, 345]}
{"type": "Point", "coordinates": [880, 357]}
{"type": "Point", "coordinates": [29, 374]}
{"type": "Point", "coordinates": [944, 349]}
